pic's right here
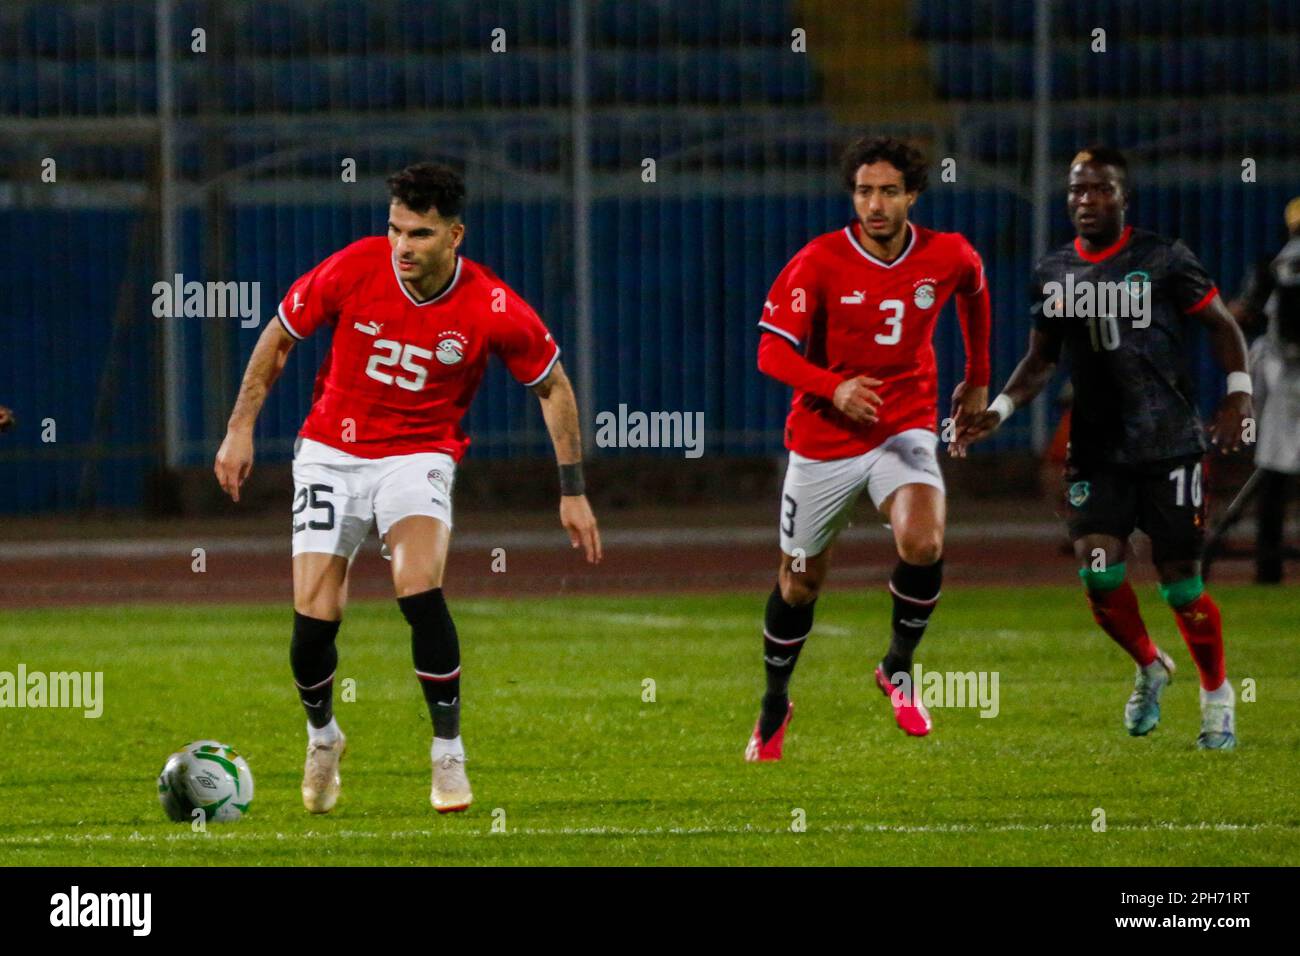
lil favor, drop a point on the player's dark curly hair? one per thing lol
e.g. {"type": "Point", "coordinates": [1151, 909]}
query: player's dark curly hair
{"type": "Point", "coordinates": [1102, 155]}
{"type": "Point", "coordinates": [904, 157]}
{"type": "Point", "coordinates": [429, 185]}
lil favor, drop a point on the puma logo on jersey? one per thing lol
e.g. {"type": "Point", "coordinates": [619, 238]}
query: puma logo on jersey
{"type": "Point", "coordinates": [370, 328]}
{"type": "Point", "coordinates": [857, 298]}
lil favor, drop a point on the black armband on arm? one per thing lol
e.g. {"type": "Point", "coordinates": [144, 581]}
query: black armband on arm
{"type": "Point", "coordinates": [571, 482]}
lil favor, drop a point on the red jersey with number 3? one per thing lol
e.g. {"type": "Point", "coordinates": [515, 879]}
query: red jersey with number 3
{"type": "Point", "coordinates": [853, 314]}
{"type": "Point", "coordinates": [400, 373]}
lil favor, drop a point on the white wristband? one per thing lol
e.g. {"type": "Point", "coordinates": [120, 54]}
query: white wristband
{"type": "Point", "coordinates": [1002, 406]}
{"type": "Point", "coordinates": [1239, 382]}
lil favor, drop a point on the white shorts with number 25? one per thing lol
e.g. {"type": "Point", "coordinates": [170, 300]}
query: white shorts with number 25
{"type": "Point", "coordinates": [818, 497]}
{"type": "Point", "coordinates": [337, 496]}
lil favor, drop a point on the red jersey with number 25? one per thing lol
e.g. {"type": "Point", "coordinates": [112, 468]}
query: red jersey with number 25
{"type": "Point", "coordinates": [400, 373]}
{"type": "Point", "coordinates": [848, 312]}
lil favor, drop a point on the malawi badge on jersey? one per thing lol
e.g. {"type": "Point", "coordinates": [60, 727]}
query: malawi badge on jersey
{"type": "Point", "coordinates": [1078, 493]}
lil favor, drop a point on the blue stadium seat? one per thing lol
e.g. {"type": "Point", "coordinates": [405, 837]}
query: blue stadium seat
{"type": "Point", "coordinates": [528, 78]}
{"type": "Point", "coordinates": [127, 28]}
{"type": "Point", "coordinates": [273, 86]}
{"type": "Point", "coordinates": [1283, 15]}
{"type": "Point", "coordinates": [364, 83]}
{"type": "Point", "coordinates": [697, 22]}
{"type": "Point", "coordinates": [536, 153]}
{"type": "Point", "coordinates": [188, 15]}
{"type": "Point", "coordinates": [416, 26]}
{"type": "Point", "coordinates": [729, 22]}
{"type": "Point", "coordinates": [440, 82]}
{"type": "Point", "coordinates": [957, 20]}
{"type": "Point", "coordinates": [628, 24]}
{"type": "Point", "coordinates": [343, 26]}
{"type": "Point", "coordinates": [275, 27]}
{"type": "Point", "coordinates": [118, 162]}
{"type": "Point", "coordinates": [26, 87]}
{"type": "Point", "coordinates": [12, 40]}
{"type": "Point", "coordinates": [58, 30]}
{"type": "Point", "coordinates": [526, 22]}
{"type": "Point", "coordinates": [1195, 66]}
{"type": "Point", "coordinates": [110, 87]}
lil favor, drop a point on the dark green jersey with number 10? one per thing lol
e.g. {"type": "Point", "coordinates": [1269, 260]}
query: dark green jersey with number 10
{"type": "Point", "coordinates": [1121, 317]}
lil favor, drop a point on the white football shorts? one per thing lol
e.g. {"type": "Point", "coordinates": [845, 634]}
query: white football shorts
{"type": "Point", "coordinates": [818, 497]}
{"type": "Point", "coordinates": [337, 496]}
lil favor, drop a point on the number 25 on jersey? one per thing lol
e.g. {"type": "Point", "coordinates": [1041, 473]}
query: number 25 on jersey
{"type": "Point", "coordinates": [398, 354]}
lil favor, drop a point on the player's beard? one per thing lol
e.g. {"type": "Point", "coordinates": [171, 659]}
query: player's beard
{"type": "Point", "coordinates": [894, 227]}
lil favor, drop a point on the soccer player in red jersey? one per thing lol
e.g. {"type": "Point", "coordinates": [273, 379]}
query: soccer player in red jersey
{"type": "Point", "coordinates": [413, 326]}
{"type": "Point", "coordinates": [849, 325]}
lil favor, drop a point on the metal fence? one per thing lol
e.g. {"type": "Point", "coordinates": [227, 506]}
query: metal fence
{"type": "Point", "coordinates": [639, 171]}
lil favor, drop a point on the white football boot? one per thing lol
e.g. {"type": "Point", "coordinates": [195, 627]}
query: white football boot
{"type": "Point", "coordinates": [320, 775]}
{"type": "Point", "coordinates": [1142, 712]}
{"type": "Point", "coordinates": [450, 790]}
{"type": "Point", "coordinates": [1218, 719]}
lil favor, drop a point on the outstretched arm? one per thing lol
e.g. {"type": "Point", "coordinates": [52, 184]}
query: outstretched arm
{"type": "Point", "coordinates": [1229, 347]}
{"type": "Point", "coordinates": [560, 409]}
{"type": "Point", "coordinates": [971, 395]}
{"type": "Point", "coordinates": [1030, 377]}
{"type": "Point", "coordinates": [235, 457]}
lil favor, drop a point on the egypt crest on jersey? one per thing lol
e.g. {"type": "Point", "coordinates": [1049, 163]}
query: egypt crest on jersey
{"type": "Point", "coordinates": [451, 348]}
{"type": "Point", "coordinates": [854, 314]}
{"type": "Point", "coordinates": [400, 373]}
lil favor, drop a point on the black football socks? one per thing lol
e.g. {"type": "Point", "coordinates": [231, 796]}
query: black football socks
{"type": "Point", "coordinates": [435, 649]}
{"type": "Point", "coordinates": [915, 589]}
{"type": "Point", "coordinates": [785, 628]}
{"type": "Point", "coordinates": [314, 658]}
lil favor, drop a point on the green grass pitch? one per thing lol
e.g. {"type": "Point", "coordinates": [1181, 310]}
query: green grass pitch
{"type": "Point", "coordinates": [580, 769]}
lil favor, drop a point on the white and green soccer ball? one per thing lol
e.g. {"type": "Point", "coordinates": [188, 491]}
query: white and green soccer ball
{"type": "Point", "coordinates": [209, 776]}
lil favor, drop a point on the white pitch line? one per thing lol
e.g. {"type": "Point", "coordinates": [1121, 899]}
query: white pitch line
{"type": "Point", "coordinates": [682, 539]}
{"type": "Point", "coordinates": [613, 831]}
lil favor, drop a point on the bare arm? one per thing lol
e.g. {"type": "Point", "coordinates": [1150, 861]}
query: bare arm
{"type": "Point", "coordinates": [560, 410]}
{"type": "Point", "coordinates": [1030, 377]}
{"type": "Point", "coordinates": [1229, 347]}
{"type": "Point", "coordinates": [235, 457]}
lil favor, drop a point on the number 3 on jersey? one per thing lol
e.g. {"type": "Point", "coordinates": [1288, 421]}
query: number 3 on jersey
{"type": "Point", "coordinates": [406, 355]}
{"type": "Point", "coordinates": [893, 322]}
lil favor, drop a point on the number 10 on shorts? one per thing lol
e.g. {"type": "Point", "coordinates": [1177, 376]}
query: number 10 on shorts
{"type": "Point", "coordinates": [1183, 485]}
